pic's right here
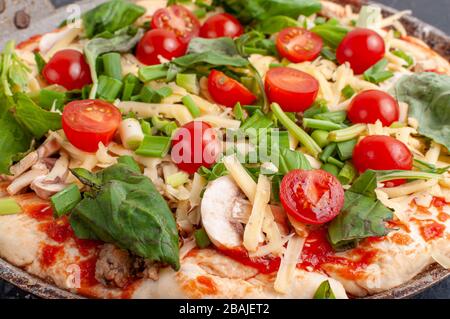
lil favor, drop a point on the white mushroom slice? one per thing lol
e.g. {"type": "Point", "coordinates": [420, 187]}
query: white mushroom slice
{"type": "Point", "coordinates": [25, 180]}
{"type": "Point", "coordinates": [25, 164]}
{"type": "Point", "coordinates": [60, 170]}
{"type": "Point", "coordinates": [46, 189]}
{"type": "Point", "coordinates": [217, 213]}
{"type": "Point", "coordinates": [49, 148]}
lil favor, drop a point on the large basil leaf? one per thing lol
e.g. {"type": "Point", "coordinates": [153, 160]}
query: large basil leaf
{"type": "Point", "coordinates": [331, 32]}
{"type": "Point", "coordinates": [362, 215]}
{"type": "Point", "coordinates": [290, 160]}
{"type": "Point", "coordinates": [111, 16]}
{"type": "Point", "coordinates": [13, 138]}
{"type": "Point", "coordinates": [122, 41]}
{"type": "Point", "coordinates": [324, 291]}
{"type": "Point", "coordinates": [217, 52]}
{"type": "Point", "coordinates": [276, 24]}
{"type": "Point", "coordinates": [35, 119]}
{"type": "Point", "coordinates": [128, 211]}
{"type": "Point", "coordinates": [260, 10]}
{"type": "Point", "coordinates": [428, 97]}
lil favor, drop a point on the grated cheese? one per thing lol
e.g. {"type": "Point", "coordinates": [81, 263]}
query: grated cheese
{"type": "Point", "coordinates": [147, 110]}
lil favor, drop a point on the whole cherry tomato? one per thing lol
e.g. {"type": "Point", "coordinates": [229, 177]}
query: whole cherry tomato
{"type": "Point", "coordinates": [221, 25]}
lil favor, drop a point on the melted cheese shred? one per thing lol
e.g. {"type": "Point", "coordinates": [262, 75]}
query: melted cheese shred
{"type": "Point", "coordinates": [240, 176]}
{"type": "Point", "coordinates": [288, 264]}
{"type": "Point", "coordinates": [254, 226]}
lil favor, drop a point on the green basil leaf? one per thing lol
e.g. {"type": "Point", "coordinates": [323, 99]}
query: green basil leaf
{"type": "Point", "coordinates": [276, 24]}
{"type": "Point", "coordinates": [110, 17]}
{"type": "Point", "coordinates": [128, 211]}
{"type": "Point", "coordinates": [37, 120]}
{"type": "Point", "coordinates": [324, 291]}
{"type": "Point", "coordinates": [428, 97]}
{"type": "Point", "coordinates": [331, 33]}
{"type": "Point", "coordinates": [261, 10]}
{"type": "Point", "coordinates": [290, 160]}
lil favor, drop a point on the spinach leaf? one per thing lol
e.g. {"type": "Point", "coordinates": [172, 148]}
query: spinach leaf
{"type": "Point", "coordinates": [255, 42]}
{"type": "Point", "coordinates": [217, 52]}
{"type": "Point", "coordinates": [428, 97]}
{"type": "Point", "coordinates": [276, 24]}
{"type": "Point", "coordinates": [260, 10]}
{"type": "Point", "coordinates": [122, 41]}
{"type": "Point", "coordinates": [362, 215]}
{"type": "Point", "coordinates": [331, 32]}
{"type": "Point", "coordinates": [218, 170]}
{"type": "Point", "coordinates": [13, 138]}
{"type": "Point", "coordinates": [35, 119]}
{"type": "Point", "coordinates": [378, 72]}
{"type": "Point", "coordinates": [14, 73]}
{"type": "Point", "coordinates": [324, 291]}
{"type": "Point", "coordinates": [110, 17]}
{"type": "Point", "coordinates": [127, 210]}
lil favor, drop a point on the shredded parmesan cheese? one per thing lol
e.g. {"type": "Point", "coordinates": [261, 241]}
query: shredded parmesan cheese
{"type": "Point", "coordinates": [409, 188]}
{"type": "Point", "coordinates": [289, 261]}
{"type": "Point", "coordinates": [240, 176]}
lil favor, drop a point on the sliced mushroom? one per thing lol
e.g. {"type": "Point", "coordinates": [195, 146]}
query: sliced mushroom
{"type": "Point", "coordinates": [60, 170]}
{"type": "Point", "coordinates": [45, 189]}
{"type": "Point", "coordinates": [217, 207]}
{"type": "Point", "coordinates": [24, 164]}
{"type": "Point", "coordinates": [25, 180]}
{"type": "Point", "coordinates": [49, 148]}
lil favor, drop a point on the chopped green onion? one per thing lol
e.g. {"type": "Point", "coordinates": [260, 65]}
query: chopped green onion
{"type": "Point", "coordinates": [191, 106]}
{"type": "Point", "coordinates": [150, 95]}
{"type": "Point", "coordinates": [320, 125]}
{"type": "Point", "coordinates": [130, 162]}
{"type": "Point", "coordinates": [337, 117]}
{"type": "Point", "coordinates": [275, 65]}
{"type": "Point", "coordinates": [154, 146]}
{"type": "Point", "coordinates": [384, 176]}
{"type": "Point", "coordinates": [378, 73]}
{"type": "Point", "coordinates": [9, 206]}
{"type": "Point", "coordinates": [146, 127]}
{"type": "Point", "coordinates": [200, 13]}
{"type": "Point", "coordinates": [131, 86]}
{"type": "Point", "coordinates": [65, 200]}
{"type": "Point", "coordinates": [257, 121]}
{"type": "Point", "coordinates": [112, 65]}
{"type": "Point", "coordinates": [348, 133]}
{"type": "Point", "coordinates": [321, 138]}
{"type": "Point", "coordinates": [238, 112]}
{"type": "Point", "coordinates": [402, 55]}
{"type": "Point", "coordinates": [251, 109]}
{"type": "Point", "coordinates": [108, 88]}
{"type": "Point", "coordinates": [348, 92]}
{"type": "Point", "coordinates": [152, 72]}
{"type": "Point", "coordinates": [330, 168]}
{"type": "Point", "coordinates": [50, 98]}
{"type": "Point", "coordinates": [345, 149]}
{"type": "Point", "coordinates": [201, 238]}
{"type": "Point", "coordinates": [177, 179]}
{"type": "Point", "coordinates": [328, 152]}
{"type": "Point", "coordinates": [85, 91]}
{"type": "Point", "coordinates": [296, 131]}
{"type": "Point", "coordinates": [188, 82]}
{"type": "Point", "coordinates": [336, 162]}
{"type": "Point", "coordinates": [319, 107]}
{"type": "Point", "coordinates": [347, 174]}
{"type": "Point", "coordinates": [328, 54]}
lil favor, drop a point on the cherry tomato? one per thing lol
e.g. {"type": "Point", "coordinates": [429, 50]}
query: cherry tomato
{"type": "Point", "coordinates": [157, 43]}
{"type": "Point", "coordinates": [89, 122]}
{"type": "Point", "coordinates": [382, 153]}
{"type": "Point", "coordinates": [294, 90]}
{"type": "Point", "coordinates": [194, 145]}
{"type": "Point", "coordinates": [372, 105]}
{"type": "Point", "coordinates": [362, 48]}
{"type": "Point", "coordinates": [221, 25]}
{"type": "Point", "coordinates": [227, 91]}
{"type": "Point", "coordinates": [177, 19]}
{"type": "Point", "coordinates": [311, 197]}
{"type": "Point", "coordinates": [299, 45]}
{"type": "Point", "coordinates": [69, 69]}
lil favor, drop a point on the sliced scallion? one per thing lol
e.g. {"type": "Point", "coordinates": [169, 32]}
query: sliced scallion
{"type": "Point", "coordinates": [336, 117]}
{"type": "Point", "coordinates": [188, 82]}
{"type": "Point", "coordinates": [330, 168]}
{"type": "Point", "coordinates": [296, 131]}
{"type": "Point", "coordinates": [177, 179]}
{"type": "Point", "coordinates": [318, 108]}
{"type": "Point", "coordinates": [327, 152]}
{"type": "Point", "coordinates": [112, 65]}
{"type": "Point", "coordinates": [201, 238]}
{"type": "Point", "coordinates": [9, 206]}
{"type": "Point", "coordinates": [320, 125]}
{"type": "Point", "coordinates": [191, 106]}
{"type": "Point", "coordinates": [346, 134]}
{"type": "Point", "coordinates": [321, 138]}
{"type": "Point", "coordinates": [347, 174]}
{"type": "Point", "coordinates": [336, 162]}
{"type": "Point", "coordinates": [345, 149]}
{"type": "Point", "coordinates": [108, 88]}
{"type": "Point", "coordinates": [154, 146]}
{"type": "Point", "coordinates": [66, 200]}
{"type": "Point", "coordinates": [131, 86]}
{"type": "Point", "coordinates": [152, 72]}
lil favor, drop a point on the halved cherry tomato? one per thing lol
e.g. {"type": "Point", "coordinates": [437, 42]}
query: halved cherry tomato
{"type": "Point", "coordinates": [179, 20]}
{"type": "Point", "coordinates": [362, 48]}
{"type": "Point", "coordinates": [311, 197]}
{"type": "Point", "coordinates": [194, 145]}
{"type": "Point", "coordinates": [299, 45]}
{"type": "Point", "coordinates": [372, 105]}
{"type": "Point", "coordinates": [294, 90]}
{"type": "Point", "coordinates": [382, 153]}
{"type": "Point", "coordinates": [227, 91]}
{"type": "Point", "coordinates": [157, 43]}
{"type": "Point", "coordinates": [221, 25]}
{"type": "Point", "coordinates": [69, 69]}
{"type": "Point", "coordinates": [89, 122]}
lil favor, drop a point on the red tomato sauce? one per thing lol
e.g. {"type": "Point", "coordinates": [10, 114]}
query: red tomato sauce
{"type": "Point", "coordinates": [429, 229]}
{"type": "Point", "coordinates": [264, 265]}
{"type": "Point", "coordinates": [49, 254]}
{"type": "Point", "coordinates": [87, 272]}
{"type": "Point", "coordinates": [40, 212]}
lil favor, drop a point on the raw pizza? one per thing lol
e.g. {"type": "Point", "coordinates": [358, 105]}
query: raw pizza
{"type": "Point", "coordinates": [225, 149]}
